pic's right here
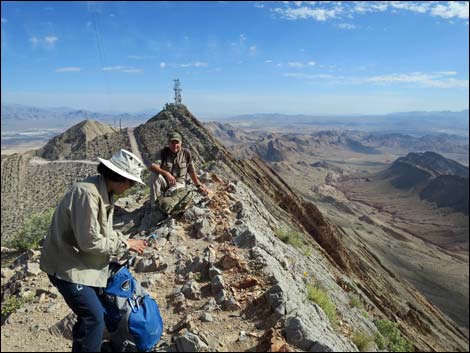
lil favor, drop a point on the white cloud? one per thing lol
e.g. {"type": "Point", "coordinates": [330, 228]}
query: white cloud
{"type": "Point", "coordinates": [113, 68]}
{"type": "Point", "coordinates": [268, 61]}
{"type": "Point", "coordinates": [346, 26]}
{"type": "Point", "coordinates": [306, 12]}
{"type": "Point", "coordinates": [426, 80]}
{"type": "Point", "coordinates": [242, 37]}
{"type": "Point", "coordinates": [68, 69]}
{"type": "Point", "coordinates": [299, 65]}
{"type": "Point", "coordinates": [132, 70]}
{"type": "Point", "coordinates": [420, 7]}
{"type": "Point", "coordinates": [448, 83]}
{"type": "Point", "coordinates": [126, 69]}
{"type": "Point", "coordinates": [4, 20]}
{"type": "Point", "coordinates": [48, 40]}
{"type": "Point", "coordinates": [451, 9]}
{"type": "Point", "coordinates": [436, 80]}
{"type": "Point", "coordinates": [400, 78]}
{"type": "Point", "coordinates": [370, 6]}
{"type": "Point", "coordinates": [184, 65]}
{"type": "Point", "coordinates": [295, 64]}
{"type": "Point", "coordinates": [258, 4]}
{"type": "Point", "coordinates": [311, 77]}
{"type": "Point", "coordinates": [194, 64]}
{"type": "Point", "coordinates": [327, 10]}
{"type": "Point", "coordinates": [51, 39]}
{"type": "Point", "coordinates": [253, 49]}
{"type": "Point", "coordinates": [447, 73]}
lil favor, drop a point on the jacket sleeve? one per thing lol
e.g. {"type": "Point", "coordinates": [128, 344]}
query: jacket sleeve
{"type": "Point", "coordinates": [87, 229]}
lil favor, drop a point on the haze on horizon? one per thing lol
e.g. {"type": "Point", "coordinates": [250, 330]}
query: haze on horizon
{"type": "Point", "coordinates": [237, 57]}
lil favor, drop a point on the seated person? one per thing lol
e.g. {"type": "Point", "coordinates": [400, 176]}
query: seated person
{"type": "Point", "coordinates": [168, 178]}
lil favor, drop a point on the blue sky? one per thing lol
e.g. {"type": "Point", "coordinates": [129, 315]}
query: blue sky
{"type": "Point", "coordinates": [237, 57]}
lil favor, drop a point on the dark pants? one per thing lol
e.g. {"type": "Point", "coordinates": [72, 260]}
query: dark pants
{"type": "Point", "coordinates": [84, 302]}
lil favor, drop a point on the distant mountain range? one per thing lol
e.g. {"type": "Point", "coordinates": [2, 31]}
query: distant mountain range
{"type": "Point", "coordinates": [276, 147]}
{"type": "Point", "coordinates": [414, 123]}
{"type": "Point", "coordinates": [16, 116]}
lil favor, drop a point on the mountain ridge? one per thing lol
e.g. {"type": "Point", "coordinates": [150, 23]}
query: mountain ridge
{"type": "Point", "coordinates": [435, 179]}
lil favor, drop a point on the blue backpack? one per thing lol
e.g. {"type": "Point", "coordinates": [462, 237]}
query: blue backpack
{"type": "Point", "coordinates": [132, 317]}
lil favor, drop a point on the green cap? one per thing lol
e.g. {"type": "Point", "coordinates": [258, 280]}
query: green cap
{"type": "Point", "coordinates": [175, 136]}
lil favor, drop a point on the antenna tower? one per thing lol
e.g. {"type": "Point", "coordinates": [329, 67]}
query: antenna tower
{"type": "Point", "coordinates": [177, 90]}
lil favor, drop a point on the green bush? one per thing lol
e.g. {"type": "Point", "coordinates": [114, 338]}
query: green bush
{"type": "Point", "coordinates": [365, 314]}
{"type": "Point", "coordinates": [319, 296]}
{"type": "Point", "coordinates": [355, 301]}
{"type": "Point", "coordinates": [291, 237]}
{"type": "Point", "coordinates": [361, 340]}
{"type": "Point", "coordinates": [146, 191]}
{"type": "Point", "coordinates": [208, 166]}
{"type": "Point", "coordinates": [380, 341]}
{"type": "Point", "coordinates": [392, 336]}
{"type": "Point", "coordinates": [34, 229]}
{"type": "Point", "coordinates": [199, 277]}
{"type": "Point", "coordinates": [13, 303]}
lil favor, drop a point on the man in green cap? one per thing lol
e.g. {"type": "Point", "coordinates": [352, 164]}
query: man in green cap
{"type": "Point", "coordinates": [168, 180]}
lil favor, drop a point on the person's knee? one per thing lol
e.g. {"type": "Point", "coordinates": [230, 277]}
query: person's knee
{"type": "Point", "coordinates": [96, 320]}
{"type": "Point", "coordinates": [166, 207]}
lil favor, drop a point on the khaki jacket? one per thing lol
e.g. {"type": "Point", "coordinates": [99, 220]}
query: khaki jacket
{"type": "Point", "coordinates": [178, 164]}
{"type": "Point", "coordinates": [81, 239]}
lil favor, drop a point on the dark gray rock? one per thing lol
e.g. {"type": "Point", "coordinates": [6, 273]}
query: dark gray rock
{"type": "Point", "coordinates": [189, 342]}
{"type": "Point", "coordinates": [245, 240]}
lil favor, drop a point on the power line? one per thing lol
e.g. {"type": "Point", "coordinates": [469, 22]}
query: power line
{"type": "Point", "coordinates": [101, 55]}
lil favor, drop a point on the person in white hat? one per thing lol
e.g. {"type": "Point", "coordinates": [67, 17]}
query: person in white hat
{"type": "Point", "coordinates": [80, 242]}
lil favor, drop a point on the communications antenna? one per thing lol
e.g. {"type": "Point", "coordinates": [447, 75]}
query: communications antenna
{"type": "Point", "coordinates": [177, 90]}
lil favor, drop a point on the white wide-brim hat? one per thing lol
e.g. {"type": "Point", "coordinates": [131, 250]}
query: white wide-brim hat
{"type": "Point", "coordinates": [125, 164]}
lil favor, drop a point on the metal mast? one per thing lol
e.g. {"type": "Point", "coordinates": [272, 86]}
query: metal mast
{"type": "Point", "coordinates": [177, 90]}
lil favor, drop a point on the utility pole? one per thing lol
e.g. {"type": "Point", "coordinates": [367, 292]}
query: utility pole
{"type": "Point", "coordinates": [177, 90]}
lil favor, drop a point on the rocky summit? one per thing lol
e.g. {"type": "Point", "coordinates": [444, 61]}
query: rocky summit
{"type": "Point", "coordinates": [249, 267]}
